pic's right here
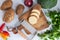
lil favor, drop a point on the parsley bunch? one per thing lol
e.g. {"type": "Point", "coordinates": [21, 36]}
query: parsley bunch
{"type": "Point", "coordinates": [55, 32]}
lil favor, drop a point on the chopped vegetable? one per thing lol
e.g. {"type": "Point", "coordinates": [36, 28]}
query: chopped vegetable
{"type": "Point", "coordinates": [2, 26]}
{"type": "Point", "coordinates": [3, 34]}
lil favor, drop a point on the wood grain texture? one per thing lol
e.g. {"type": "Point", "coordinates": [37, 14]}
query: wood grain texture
{"type": "Point", "coordinates": [42, 21]}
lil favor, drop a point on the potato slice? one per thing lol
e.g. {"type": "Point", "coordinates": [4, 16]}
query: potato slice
{"type": "Point", "coordinates": [6, 5]}
{"type": "Point", "coordinates": [35, 14]}
{"type": "Point", "coordinates": [32, 20]}
{"type": "Point", "coordinates": [36, 11]}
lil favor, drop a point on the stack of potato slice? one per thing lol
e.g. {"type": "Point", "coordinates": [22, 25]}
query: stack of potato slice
{"type": "Point", "coordinates": [34, 16]}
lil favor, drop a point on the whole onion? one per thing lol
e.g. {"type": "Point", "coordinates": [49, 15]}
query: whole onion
{"type": "Point", "coordinates": [28, 3]}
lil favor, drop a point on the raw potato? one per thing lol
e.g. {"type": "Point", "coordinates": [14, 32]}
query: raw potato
{"type": "Point", "coordinates": [8, 16]}
{"type": "Point", "coordinates": [35, 14]}
{"type": "Point", "coordinates": [32, 20]}
{"type": "Point", "coordinates": [19, 9]}
{"type": "Point", "coordinates": [6, 5]}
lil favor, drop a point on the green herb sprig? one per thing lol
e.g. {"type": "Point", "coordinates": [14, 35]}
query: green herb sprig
{"type": "Point", "coordinates": [55, 32]}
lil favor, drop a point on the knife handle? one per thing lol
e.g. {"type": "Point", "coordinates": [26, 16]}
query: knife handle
{"type": "Point", "coordinates": [20, 27]}
{"type": "Point", "coordinates": [22, 34]}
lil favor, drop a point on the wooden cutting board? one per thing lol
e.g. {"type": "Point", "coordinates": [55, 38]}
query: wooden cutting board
{"type": "Point", "coordinates": [42, 19]}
